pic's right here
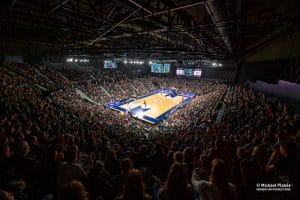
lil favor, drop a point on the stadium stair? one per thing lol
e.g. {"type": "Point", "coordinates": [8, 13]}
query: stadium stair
{"type": "Point", "coordinates": [221, 112]}
{"type": "Point", "coordinates": [84, 96]}
{"type": "Point", "coordinates": [121, 89]}
{"type": "Point", "coordinates": [106, 92]}
{"type": "Point", "coordinates": [43, 74]}
{"type": "Point", "coordinates": [93, 77]}
{"type": "Point", "coordinates": [136, 90]}
{"type": "Point", "coordinates": [64, 77]}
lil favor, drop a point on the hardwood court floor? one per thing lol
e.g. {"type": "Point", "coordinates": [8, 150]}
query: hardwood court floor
{"type": "Point", "coordinates": [158, 103]}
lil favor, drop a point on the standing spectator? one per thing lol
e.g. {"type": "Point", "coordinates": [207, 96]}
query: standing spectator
{"type": "Point", "coordinates": [74, 191]}
{"type": "Point", "coordinates": [21, 162]}
{"type": "Point", "coordinates": [140, 159]}
{"type": "Point", "coordinates": [178, 157]}
{"type": "Point", "coordinates": [188, 160]}
{"type": "Point", "coordinates": [176, 186]}
{"type": "Point", "coordinates": [284, 162]}
{"type": "Point", "coordinates": [220, 151]}
{"type": "Point", "coordinates": [119, 179]}
{"type": "Point", "coordinates": [158, 162]}
{"type": "Point", "coordinates": [4, 195]}
{"type": "Point", "coordinates": [133, 188]}
{"type": "Point", "coordinates": [218, 188]}
{"type": "Point", "coordinates": [111, 163]}
{"type": "Point", "coordinates": [70, 170]}
{"type": "Point", "coordinates": [97, 185]}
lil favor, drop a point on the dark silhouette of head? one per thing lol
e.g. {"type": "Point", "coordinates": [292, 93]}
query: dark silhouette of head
{"type": "Point", "coordinates": [75, 191]}
{"type": "Point", "coordinates": [176, 184]}
{"type": "Point", "coordinates": [219, 172]}
{"type": "Point", "coordinates": [133, 188]}
{"type": "Point", "coordinates": [72, 154]}
{"type": "Point", "coordinates": [126, 165]}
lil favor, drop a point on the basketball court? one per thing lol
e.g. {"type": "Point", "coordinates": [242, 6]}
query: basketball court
{"type": "Point", "coordinates": [152, 107]}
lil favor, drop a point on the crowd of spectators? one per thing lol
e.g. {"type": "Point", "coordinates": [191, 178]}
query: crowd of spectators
{"type": "Point", "coordinates": [32, 73]}
{"type": "Point", "coordinates": [62, 146]}
{"type": "Point", "coordinates": [53, 75]}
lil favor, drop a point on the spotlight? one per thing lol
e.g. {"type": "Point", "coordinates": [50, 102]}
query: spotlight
{"type": "Point", "coordinates": [76, 60]}
{"type": "Point", "coordinates": [220, 65]}
{"type": "Point", "coordinates": [150, 62]}
{"type": "Point", "coordinates": [130, 62]}
{"type": "Point", "coordinates": [125, 61]}
{"type": "Point", "coordinates": [71, 60]}
{"type": "Point", "coordinates": [214, 64]}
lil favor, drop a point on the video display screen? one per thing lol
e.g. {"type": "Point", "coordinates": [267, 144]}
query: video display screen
{"type": "Point", "coordinates": [188, 72]}
{"type": "Point", "coordinates": [109, 64]}
{"type": "Point", "coordinates": [197, 72]}
{"type": "Point", "coordinates": [179, 72]}
{"type": "Point", "coordinates": [160, 68]}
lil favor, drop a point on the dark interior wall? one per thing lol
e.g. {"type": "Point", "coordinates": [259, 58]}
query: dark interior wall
{"type": "Point", "coordinates": [269, 71]}
{"type": "Point", "coordinates": [126, 68]}
{"type": "Point", "coordinates": [134, 68]}
{"type": "Point", "coordinates": [284, 47]}
{"type": "Point", "coordinates": [143, 68]}
{"type": "Point", "coordinates": [31, 52]}
{"type": "Point", "coordinates": [225, 74]}
{"type": "Point", "coordinates": [271, 61]}
{"type": "Point", "coordinates": [74, 66]}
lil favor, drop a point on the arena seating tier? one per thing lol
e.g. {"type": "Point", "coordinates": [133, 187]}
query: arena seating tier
{"type": "Point", "coordinates": [54, 143]}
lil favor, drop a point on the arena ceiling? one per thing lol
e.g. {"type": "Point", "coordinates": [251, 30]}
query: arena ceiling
{"type": "Point", "coordinates": [216, 29]}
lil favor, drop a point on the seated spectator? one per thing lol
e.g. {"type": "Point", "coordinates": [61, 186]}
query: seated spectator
{"type": "Point", "coordinates": [218, 188]}
{"type": "Point", "coordinates": [133, 188]}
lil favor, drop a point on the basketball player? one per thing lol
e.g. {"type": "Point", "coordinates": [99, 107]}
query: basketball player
{"type": "Point", "coordinates": [129, 108]}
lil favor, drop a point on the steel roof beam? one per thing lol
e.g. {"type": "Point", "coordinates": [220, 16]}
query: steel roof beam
{"type": "Point", "coordinates": [216, 17]}
{"type": "Point", "coordinates": [59, 5]}
{"type": "Point", "coordinates": [114, 26]}
{"type": "Point", "coordinates": [171, 10]}
{"type": "Point", "coordinates": [140, 6]}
